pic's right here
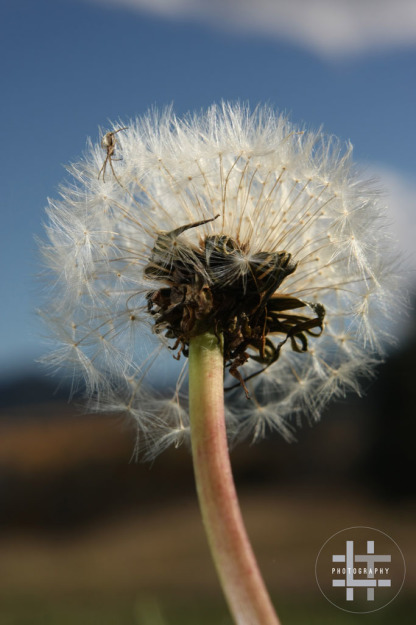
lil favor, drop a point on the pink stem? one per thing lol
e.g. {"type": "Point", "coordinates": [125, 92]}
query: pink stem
{"type": "Point", "coordinates": [233, 556]}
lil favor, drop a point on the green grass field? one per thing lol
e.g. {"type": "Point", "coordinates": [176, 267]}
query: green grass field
{"type": "Point", "coordinates": [147, 611]}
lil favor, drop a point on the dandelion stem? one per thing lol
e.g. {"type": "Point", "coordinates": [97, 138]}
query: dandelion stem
{"type": "Point", "coordinates": [233, 556]}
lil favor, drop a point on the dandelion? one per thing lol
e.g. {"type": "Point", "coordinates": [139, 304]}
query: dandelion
{"type": "Point", "coordinates": [250, 251]}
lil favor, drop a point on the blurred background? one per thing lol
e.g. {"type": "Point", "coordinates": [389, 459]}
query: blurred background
{"type": "Point", "coordinates": [86, 534]}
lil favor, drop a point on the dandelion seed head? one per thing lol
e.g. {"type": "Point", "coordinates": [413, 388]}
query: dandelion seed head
{"type": "Point", "coordinates": [234, 218]}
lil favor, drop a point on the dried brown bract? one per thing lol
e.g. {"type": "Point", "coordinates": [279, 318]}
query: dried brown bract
{"type": "Point", "coordinates": [202, 289]}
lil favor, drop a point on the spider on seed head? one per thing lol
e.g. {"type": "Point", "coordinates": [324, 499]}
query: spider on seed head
{"type": "Point", "coordinates": [109, 143]}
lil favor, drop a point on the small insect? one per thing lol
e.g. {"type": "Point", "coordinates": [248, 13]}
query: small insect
{"type": "Point", "coordinates": [109, 143]}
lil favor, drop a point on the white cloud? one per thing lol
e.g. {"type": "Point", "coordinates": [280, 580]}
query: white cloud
{"type": "Point", "coordinates": [331, 28]}
{"type": "Point", "coordinates": [400, 193]}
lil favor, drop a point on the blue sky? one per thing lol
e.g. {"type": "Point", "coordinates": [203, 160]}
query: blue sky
{"type": "Point", "coordinates": [67, 67]}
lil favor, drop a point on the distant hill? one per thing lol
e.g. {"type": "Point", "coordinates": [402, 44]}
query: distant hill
{"type": "Point", "coordinates": [32, 388]}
